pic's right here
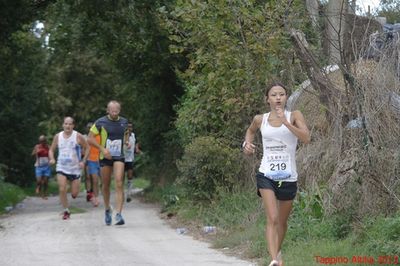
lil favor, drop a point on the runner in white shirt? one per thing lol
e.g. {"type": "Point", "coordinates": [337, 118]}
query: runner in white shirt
{"type": "Point", "coordinates": [277, 176]}
{"type": "Point", "coordinates": [69, 163]}
{"type": "Point", "coordinates": [130, 150]}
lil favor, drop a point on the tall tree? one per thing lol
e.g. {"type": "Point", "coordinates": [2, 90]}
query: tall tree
{"type": "Point", "coordinates": [105, 50]}
{"type": "Point", "coordinates": [81, 78]}
{"type": "Point", "coordinates": [313, 8]}
{"type": "Point", "coordinates": [391, 10]}
{"type": "Point", "coordinates": [22, 98]}
{"type": "Point", "coordinates": [23, 102]}
{"type": "Point", "coordinates": [232, 47]}
{"type": "Point", "coordinates": [336, 12]}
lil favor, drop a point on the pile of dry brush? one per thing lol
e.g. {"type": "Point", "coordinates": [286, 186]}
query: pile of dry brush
{"type": "Point", "coordinates": [353, 162]}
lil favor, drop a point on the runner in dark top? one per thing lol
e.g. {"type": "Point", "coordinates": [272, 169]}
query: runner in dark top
{"type": "Point", "coordinates": [112, 129]}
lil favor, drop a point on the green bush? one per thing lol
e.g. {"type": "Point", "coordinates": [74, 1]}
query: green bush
{"type": "Point", "coordinates": [206, 165]}
{"type": "Point", "coordinates": [10, 195]}
{"type": "Point", "coordinates": [170, 197]}
{"type": "Point", "coordinates": [308, 221]}
{"type": "Point", "coordinates": [243, 207]}
{"type": "Point", "coordinates": [381, 235]}
{"type": "Point", "coordinates": [3, 168]}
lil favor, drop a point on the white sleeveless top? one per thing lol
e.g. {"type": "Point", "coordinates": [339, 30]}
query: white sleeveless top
{"type": "Point", "coordinates": [130, 153]}
{"type": "Point", "coordinates": [68, 154]}
{"type": "Point", "coordinates": [279, 151]}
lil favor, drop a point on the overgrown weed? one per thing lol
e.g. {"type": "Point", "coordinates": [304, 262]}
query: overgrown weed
{"type": "Point", "coordinates": [240, 221]}
{"type": "Point", "coordinates": [10, 195]}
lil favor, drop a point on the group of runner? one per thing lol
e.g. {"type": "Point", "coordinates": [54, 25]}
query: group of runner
{"type": "Point", "coordinates": [276, 177]}
{"type": "Point", "coordinates": [108, 150]}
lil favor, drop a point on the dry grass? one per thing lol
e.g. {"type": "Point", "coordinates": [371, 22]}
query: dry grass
{"type": "Point", "coordinates": [357, 168]}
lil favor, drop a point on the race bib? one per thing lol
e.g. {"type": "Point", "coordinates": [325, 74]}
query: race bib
{"type": "Point", "coordinates": [114, 146]}
{"type": "Point", "coordinates": [43, 161]}
{"type": "Point", "coordinates": [65, 158]}
{"type": "Point", "coordinates": [278, 161]}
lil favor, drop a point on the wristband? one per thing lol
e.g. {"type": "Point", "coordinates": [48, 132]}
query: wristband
{"type": "Point", "coordinates": [243, 145]}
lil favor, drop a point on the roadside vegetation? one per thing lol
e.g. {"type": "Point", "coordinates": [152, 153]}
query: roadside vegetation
{"type": "Point", "coordinates": [10, 196]}
{"type": "Point", "coordinates": [313, 238]}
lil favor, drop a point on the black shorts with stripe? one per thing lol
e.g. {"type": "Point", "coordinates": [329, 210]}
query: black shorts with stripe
{"type": "Point", "coordinates": [283, 190]}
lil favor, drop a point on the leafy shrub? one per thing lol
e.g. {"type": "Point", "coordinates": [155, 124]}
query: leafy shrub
{"type": "Point", "coordinates": [308, 220]}
{"type": "Point", "coordinates": [9, 195]}
{"type": "Point", "coordinates": [310, 203]}
{"type": "Point", "coordinates": [381, 235]}
{"type": "Point", "coordinates": [244, 207]}
{"type": "Point", "coordinates": [3, 167]}
{"type": "Point", "coordinates": [206, 165]}
{"type": "Point", "coordinates": [170, 196]}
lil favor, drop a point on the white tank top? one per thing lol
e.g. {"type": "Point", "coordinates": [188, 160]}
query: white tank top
{"type": "Point", "coordinates": [130, 153]}
{"type": "Point", "coordinates": [68, 154]}
{"type": "Point", "coordinates": [279, 151]}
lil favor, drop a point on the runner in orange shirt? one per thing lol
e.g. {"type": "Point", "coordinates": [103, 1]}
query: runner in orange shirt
{"type": "Point", "coordinates": [93, 169]}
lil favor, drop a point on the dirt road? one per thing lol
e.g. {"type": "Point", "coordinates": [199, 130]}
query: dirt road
{"type": "Point", "coordinates": [35, 234]}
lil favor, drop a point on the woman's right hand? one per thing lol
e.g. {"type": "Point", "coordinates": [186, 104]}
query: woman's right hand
{"type": "Point", "coordinates": [248, 148]}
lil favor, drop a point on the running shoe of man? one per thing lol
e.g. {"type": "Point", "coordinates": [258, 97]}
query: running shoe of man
{"type": "Point", "coordinates": [119, 219]}
{"type": "Point", "coordinates": [89, 196]}
{"type": "Point", "coordinates": [128, 195]}
{"type": "Point", "coordinates": [108, 217]}
{"type": "Point", "coordinates": [129, 191]}
{"type": "Point", "coordinates": [66, 215]}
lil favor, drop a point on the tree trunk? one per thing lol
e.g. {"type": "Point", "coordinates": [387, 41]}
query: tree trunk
{"type": "Point", "coordinates": [335, 27]}
{"type": "Point", "coordinates": [313, 11]}
{"type": "Point", "coordinates": [329, 95]}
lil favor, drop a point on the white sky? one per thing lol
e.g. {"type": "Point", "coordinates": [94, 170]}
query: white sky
{"type": "Point", "coordinates": [364, 5]}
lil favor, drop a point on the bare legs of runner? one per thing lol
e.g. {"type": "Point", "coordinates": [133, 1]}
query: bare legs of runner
{"type": "Point", "coordinates": [277, 213]}
{"type": "Point", "coordinates": [62, 190]}
{"type": "Point", "coordinates": [118, 171]}
{"type": "Point", "coordinates": [95, 188]}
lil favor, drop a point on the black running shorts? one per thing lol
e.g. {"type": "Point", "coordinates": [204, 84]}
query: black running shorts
{"type": "Point", "coordinates": [68, 176]}
{"type": "Point", "coordinates": [283, 190]}
{"type": "Point", "coordinates": [128, 166]}
{"type": "Point", "coordinates": [106, 162]}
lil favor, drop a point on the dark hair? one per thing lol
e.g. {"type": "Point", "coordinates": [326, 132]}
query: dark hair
{"type": "Point", "coordinates": [273, 84]}
{"type": "Point", "coordinates": [66, 117]}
